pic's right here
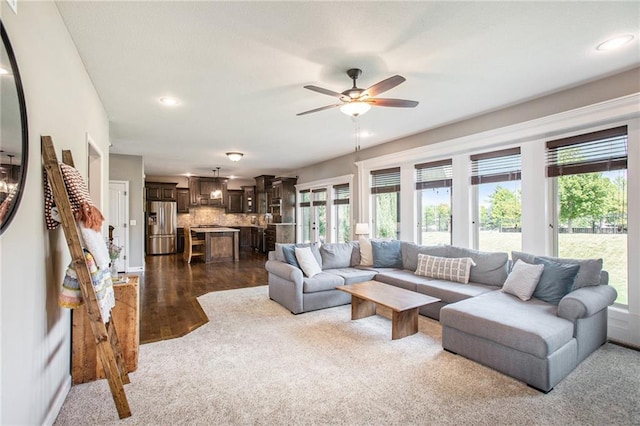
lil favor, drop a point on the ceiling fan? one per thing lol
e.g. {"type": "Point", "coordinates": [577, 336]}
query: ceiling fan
{"type": "Point", "coordinates": [356, 101]}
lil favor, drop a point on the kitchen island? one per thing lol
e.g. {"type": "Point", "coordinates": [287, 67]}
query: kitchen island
{"type": "Point", "coordinates": [220, 244]}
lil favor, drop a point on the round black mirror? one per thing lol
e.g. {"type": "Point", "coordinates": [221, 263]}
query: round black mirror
{"type": "Point", "coordinates": [13, 134]}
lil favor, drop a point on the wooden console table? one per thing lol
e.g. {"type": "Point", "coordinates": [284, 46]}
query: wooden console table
{"type": "Point", "coordinates": [85, 365]}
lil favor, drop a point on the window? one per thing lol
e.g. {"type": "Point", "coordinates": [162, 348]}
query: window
{"type": "Point", "coordinates": [495, 177]}
{"type": "Point", "coordinates": [590, 180]}
{"type": "Point", "coordinates": [305, 214]}
{"type": "Point", "coordinates": [385, 202]}
{"type": "Point", "coordinates": [342, 216]}
{"type": "Point", "coordinates": [433, 183]}
{"type": "Point", "coordinates": [319, 214]}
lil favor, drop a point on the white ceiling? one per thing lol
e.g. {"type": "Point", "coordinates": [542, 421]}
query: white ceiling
{"type": "Point", "coordinates": [239, 69]}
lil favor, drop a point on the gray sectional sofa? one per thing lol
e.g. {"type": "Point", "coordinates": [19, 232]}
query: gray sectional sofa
{"type": "Point", "coordinates": [534, 341]}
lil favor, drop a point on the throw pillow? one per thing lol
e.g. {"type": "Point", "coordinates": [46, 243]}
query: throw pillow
{"type": "Point", "coordinates": [556, 281]}
{"type": "Point", "coordinates": [523, 279]}
{"type": "Point", "coordinates": [289, 254]}
{"type": "Point", "coordinates": [491, 268]}
{"type": "Point", "coordinates": [588, 275]}
{"type": "Point", "coordinates": [386, 253]}
{"type": "Point", "coordinates": [336, 255]}
{"type": "Point", "coordinates": [307, 261]}
{"type": "Point", "coordinates": [445, 268]}
{"type": "Point", "coordinates": [366, 252]}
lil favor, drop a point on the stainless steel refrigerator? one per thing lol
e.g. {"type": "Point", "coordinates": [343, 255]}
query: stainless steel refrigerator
{"type": "Point", "coordinates": [161, 227]}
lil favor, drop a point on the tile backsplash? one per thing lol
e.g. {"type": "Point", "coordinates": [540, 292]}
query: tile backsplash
{"type": "Point", "coordinates": [218, 216]}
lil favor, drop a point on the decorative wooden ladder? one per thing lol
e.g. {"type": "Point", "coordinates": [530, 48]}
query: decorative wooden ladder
{"type": "Point", "coordinates": [107, 343]}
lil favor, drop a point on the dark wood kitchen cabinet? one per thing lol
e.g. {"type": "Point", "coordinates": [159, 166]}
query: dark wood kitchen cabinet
{"type": "Point", "coordinates": [263, 193]}
{"type": "Point", "coordinates": [200, 190]}
{"type": "Point", "coordinates": [234, 201]}
{"type": "Point", "coordinates": [245, 237]}
{"type": "Point", "coordinates": [180, 240]}
{"type": "Point", "coordinates": [183, 200]}
{"type": "Point", "coordinates": [160, 191]}
{"type": "Point", "coordinates": [279, 233]}
{"type": "Point", "coordinates": [249, 199]}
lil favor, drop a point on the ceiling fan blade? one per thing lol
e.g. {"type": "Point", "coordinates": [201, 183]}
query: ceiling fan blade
{"type": "Point", "coordinates": [383, 86]}
{"type": "Point", "coordinates": [319, 109]}
{"type": "Point", "coordinates": [328, 92]}
{"type": "Point", "coordinates": [399, 103]}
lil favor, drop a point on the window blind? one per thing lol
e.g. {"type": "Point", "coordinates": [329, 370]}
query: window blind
{"type": "Point", "coordinates": [305, 198]}
{"type": "Point", "coordinates": [341, 194]}
{"type": "Point", "coordinates": [321, 198]}
{"type": "Point", "coordinates": [436, 174]}
{"type": "Point", "coordinates": [496, 166]}
{"type": "Point", "coordinates": [385, 181]}
{"type": "Point", "coordinates": [592, 152]}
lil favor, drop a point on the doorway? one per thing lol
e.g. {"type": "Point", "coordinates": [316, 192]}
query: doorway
{"type": "Point", "coordinates": [119, 220]}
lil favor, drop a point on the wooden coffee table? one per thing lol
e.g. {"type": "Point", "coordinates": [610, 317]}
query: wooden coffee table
{"type": "Point", "coordinates": [403, 303]}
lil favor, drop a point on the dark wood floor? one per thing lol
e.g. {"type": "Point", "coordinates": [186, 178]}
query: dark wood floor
{"type": "Point", "coordinates": [169, 287]}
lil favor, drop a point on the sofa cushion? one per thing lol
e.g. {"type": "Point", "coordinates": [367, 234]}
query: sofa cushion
{"type": "Point", "coordinates": [523, 279]}
{"type": "Point", "coordinates": [531, 327]}
{"type": "Point", "coordinates": [588, 275]}
{"type": "Point", "coordinates": [556, 281]}
{"type": "Point", "coordinates": [321, 282]}
{"type": "Point", "coordinates": [353, 275]}
{"type": "Point", "coordinates": [491, 268]}
{"type": "Point", "coordinates": [410, 253]}
{"type": "Point", "coordinates": [386, 253]}
{"type": "Point", "coordinates": [307, 261]}
{"type": "Point", "coordinates": [337, 255]}
{"type": "Point", "coordinates": [446, 268]}
{"type": "Point", "coordinates": [447, 291]}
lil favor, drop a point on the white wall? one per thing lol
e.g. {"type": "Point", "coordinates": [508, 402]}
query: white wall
{"type": "Point", "coordinates": [61, 102]}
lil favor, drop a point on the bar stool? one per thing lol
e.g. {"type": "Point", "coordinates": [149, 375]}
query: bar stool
{"type": "Point", "coordinates": [193, 247]}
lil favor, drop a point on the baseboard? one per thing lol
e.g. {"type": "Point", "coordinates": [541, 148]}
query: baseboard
{"type": "Point", "coordinates": [56, 405]}
{"type": "Point", "coordinates": [136, 269]}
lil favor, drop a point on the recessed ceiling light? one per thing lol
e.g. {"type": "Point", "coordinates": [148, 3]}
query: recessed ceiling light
{"type": "Point", "coordinates": [615, 42]}
{"type": "Point", "coordinates": [365, 134]}
{"type": "Point", "coordinates": [169, 101]}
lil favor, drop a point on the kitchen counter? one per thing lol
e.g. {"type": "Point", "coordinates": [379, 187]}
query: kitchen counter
{"type": "Point", "coordinates": [220, 244]}
{"type": "Point", "coordinates": [216, 229]}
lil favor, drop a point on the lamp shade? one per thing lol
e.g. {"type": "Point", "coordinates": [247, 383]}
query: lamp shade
{"type": "Point", "coordinates": [362, 228]}
{"type": "Point", "coordinates": [355, 108]}
{"type": "Point", "coordinates": [234, 156]}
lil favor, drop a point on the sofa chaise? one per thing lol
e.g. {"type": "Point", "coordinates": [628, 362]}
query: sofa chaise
{"type": "Point", "coordinates": [533, 340]}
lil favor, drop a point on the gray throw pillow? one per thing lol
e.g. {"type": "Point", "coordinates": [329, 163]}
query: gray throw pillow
{"type": "Point", "coordinates": [556, 280]}
{"type": "Point", "coordinates": [588, 275]}
{"type": "Point", "coordinates": [336, 255]}
{"type": "Point", "coordinates": [386, 254]}
{"type": "Point", "coordinates": [410, 252]}
{"type": "Point", "coordinates": [491, 268]}
{"type": "Point", "coordinates": [523, 279]}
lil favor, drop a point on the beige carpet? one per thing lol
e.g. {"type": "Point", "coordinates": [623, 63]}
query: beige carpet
{"type": "Point", "coordinates": [256, 363]}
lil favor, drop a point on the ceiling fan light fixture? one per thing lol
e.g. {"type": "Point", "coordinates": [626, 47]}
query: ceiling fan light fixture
{"type": "Point", "coordinates": [355, 109]}
{"type": "Point", "coordinates": [235, 156]}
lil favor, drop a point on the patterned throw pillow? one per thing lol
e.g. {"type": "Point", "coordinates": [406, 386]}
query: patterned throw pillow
{"type": "Point", "coordinates": [452, 269]}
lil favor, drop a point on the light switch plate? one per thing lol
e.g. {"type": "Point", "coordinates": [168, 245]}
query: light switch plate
{"type": "Point", "coordinates": [133, 222]}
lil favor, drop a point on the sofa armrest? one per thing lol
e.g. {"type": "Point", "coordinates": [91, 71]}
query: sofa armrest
{"type": "Point", "coordinates": [284, 271]}
{"type": "Point", "coordinates": [586, 301]}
